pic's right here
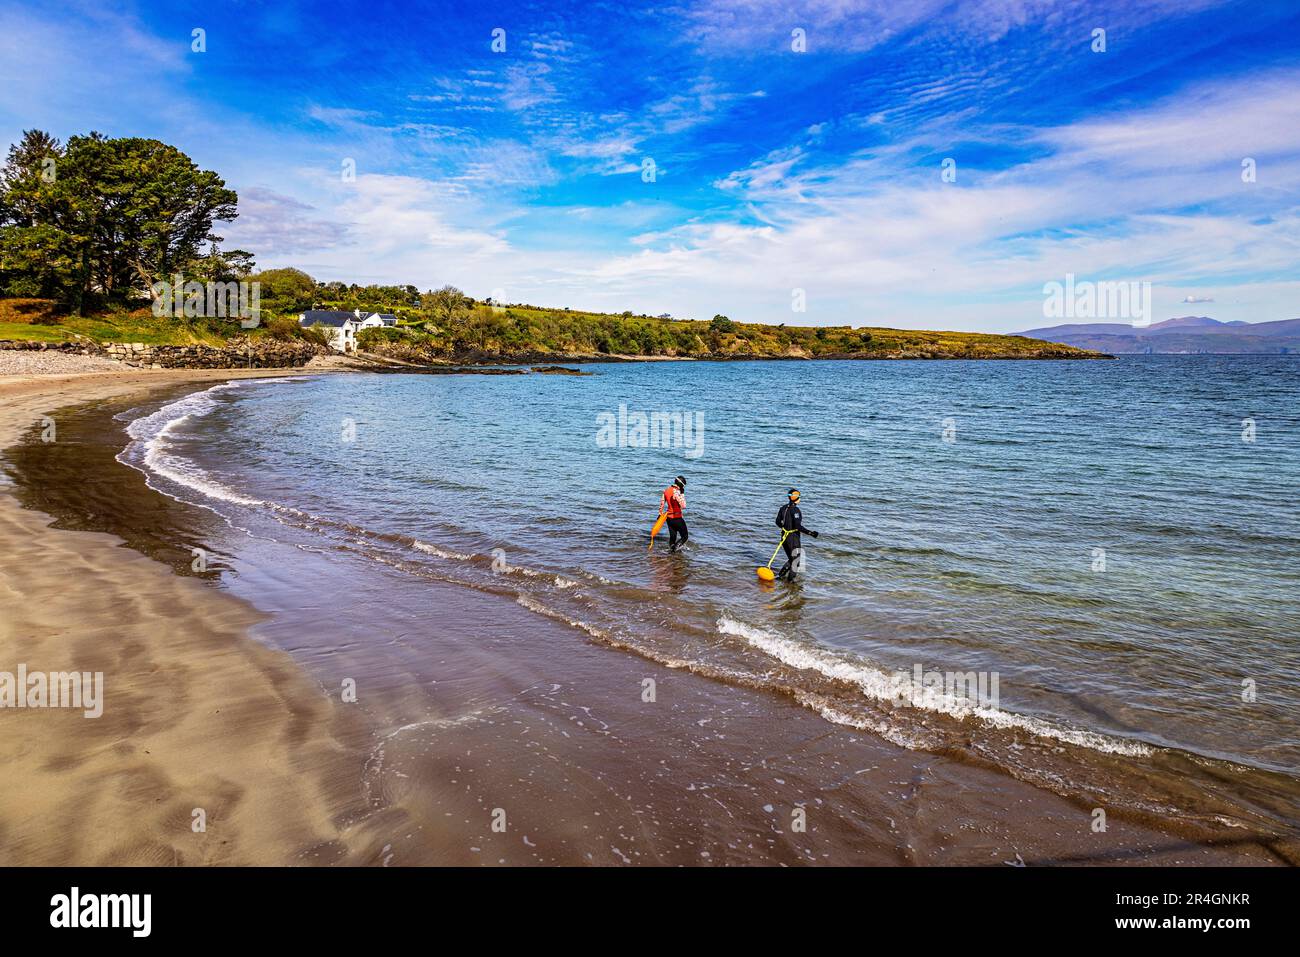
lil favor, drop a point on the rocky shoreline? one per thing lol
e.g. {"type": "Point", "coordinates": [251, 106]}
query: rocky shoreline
{"type": "Point", "coordinates": [239, 353]}
{"type": "Point", "coordinates": [266, 353]}
{"type": "Point", "coordinates": [405, 354]}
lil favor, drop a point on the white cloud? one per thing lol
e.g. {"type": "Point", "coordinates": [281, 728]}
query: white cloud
{"type": "Point", "coordinates": [527, 85]}
{"type": "Point", "coordinates": [278, 226]}
{"type": "Point", "coordinates": [1150, 193]}
{"type": "Point", "coordinates": [871, 244]}
{"type": "Point", "coordinates": [873, 240]}
{"type": "Point", "coordinates": [401, 229]}
{"type": "Point", "coordinates": [856, 26]}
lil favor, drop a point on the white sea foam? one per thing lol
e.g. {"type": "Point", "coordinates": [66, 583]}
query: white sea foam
{"type": "Point", "coordinates": [880, 685]}
{"type": "Point", "coordinates": [152, 449]}
{"type": "Point", "coordinates": [539, 608]}
{"type": "Point", "coordinates": [437, 552]}
{"type": "Point", "coordinates": [559, 581]}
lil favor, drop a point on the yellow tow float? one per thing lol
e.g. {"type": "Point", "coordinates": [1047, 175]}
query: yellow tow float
{"type": "Point", "coordinates": [765, 572]}
{"type": "Point", "coordinates": [655, 531]}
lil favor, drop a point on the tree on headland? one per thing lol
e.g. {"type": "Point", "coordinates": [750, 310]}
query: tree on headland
{"type": "Point", "coordinates": [98, 220]}
{"type": "Point", "coordinates": [31, 161]}
{"type": "Point", "coordinates": [92, 223]}
{"type": "Point", "coordinates": [36, 254]}
{"type": "Point", "coordinates": [286, 290]}
{"type": "Point", "coordinates": [446, 307]}
{"type": "Point", "coordinates": [223, 265]}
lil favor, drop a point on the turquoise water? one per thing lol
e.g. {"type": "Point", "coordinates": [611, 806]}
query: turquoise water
{"type": "Point", "coordinates": [1100, 535]}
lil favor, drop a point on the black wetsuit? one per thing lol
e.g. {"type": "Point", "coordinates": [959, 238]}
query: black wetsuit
{"type": "Point", "coordinates": [791, 519]}
{"type": "Point", "coordinates": [676, 527]}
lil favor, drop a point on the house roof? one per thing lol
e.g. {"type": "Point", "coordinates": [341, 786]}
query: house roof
{"type": "Point", "coordinates": [382, 316]}
{"type": "Point", "coordinates": [325, 317]}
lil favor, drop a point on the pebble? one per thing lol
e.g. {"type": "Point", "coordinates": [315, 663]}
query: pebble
{"type": "Point", "coordinates": [24, 362]}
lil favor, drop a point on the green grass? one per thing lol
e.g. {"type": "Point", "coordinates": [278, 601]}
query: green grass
{"type": "Point", "coordinates": [133, 327]}
{"type": "Point", "coordinates": [502, 332]}
{"type": "Point", "coordinates": [34, 320]}
{"type": "Point", "coordinates": [30, 333]}
{"type": "Point", "coordinates": [516, 329]}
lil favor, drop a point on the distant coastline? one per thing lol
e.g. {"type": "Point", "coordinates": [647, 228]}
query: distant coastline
{"type": "Point", "coordinates": [1183, 335]}
{"type": "Point", "coordinates": [475, 334]}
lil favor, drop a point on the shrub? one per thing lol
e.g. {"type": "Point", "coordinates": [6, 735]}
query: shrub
{"type": "Point", "coordinates": [287, 328]}
{"type": "Point", "coordinates": [40, 312]}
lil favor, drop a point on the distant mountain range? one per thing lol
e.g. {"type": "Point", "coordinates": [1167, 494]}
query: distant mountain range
{"type": "Point", "coordinates": [1182, 336]}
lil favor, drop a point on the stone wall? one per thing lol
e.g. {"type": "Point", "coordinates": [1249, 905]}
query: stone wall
{"type": "Point", "coordinates": [84, 347]}
{"type": "Point", "coordinates": [238, 353]}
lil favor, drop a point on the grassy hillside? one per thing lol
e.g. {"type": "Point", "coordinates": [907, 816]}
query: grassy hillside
{"type": "Point", "coordinates": [503, 333]}
{"type": "Point", "coordinates": [41, 321]}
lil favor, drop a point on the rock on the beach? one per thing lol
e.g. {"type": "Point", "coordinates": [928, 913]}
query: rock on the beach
{"type": "Point", "coordinates": [52, 362]}
{"type": "Point", "coordinates": [238, 353]}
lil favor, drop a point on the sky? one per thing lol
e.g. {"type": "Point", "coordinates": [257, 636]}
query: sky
{"type": "Point", "coordinates": [909, 163]}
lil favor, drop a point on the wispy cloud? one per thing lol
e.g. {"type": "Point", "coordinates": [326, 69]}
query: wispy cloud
{"type": "Point", "coordinates": [1100, 203]}
{"type": "Point", "coordinates": [775, 169]}
{"type": "Point", "coordinates": [280, 226]}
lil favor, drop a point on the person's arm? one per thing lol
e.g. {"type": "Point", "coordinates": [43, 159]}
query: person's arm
{"type": "Point", "coordinates": [780, 517]}
{"type": "Point", "coordinates": [806, 531]}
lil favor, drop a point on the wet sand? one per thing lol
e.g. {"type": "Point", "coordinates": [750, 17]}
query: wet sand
{"type": "Point", "coordinates": [195, 714]}
{"type": "Point", "coordinates": [485, 734]}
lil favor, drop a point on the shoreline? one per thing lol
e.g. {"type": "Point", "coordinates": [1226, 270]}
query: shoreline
{"type": "Point", "coordinates": [196, 715]}
{"type": "Point", "coordinates": [275, 715]}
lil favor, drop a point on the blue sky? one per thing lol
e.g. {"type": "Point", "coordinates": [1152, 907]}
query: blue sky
{"type": "Point", "coordinates": [520, 173]}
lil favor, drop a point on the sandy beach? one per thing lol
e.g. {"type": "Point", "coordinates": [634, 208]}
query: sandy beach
{"type": "Point", "coordinates": [199, 714]}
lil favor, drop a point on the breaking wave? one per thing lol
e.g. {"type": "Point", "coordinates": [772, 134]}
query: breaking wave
{"type": "Point", "coordinates": [898, 688]}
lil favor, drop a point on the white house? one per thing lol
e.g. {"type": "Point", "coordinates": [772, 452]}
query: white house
{"type": "Point", "coordinates": [375, 320]}
{"type": "Point", "coordinates": [342, 327]}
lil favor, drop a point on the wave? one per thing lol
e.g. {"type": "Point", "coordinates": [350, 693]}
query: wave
{"type": "Point", "coordinates": [637, 613]}
{"type": "Point", "coordinates": [900, 689]}
{"type": "Point", "coordinates": [151, 446]}
{"type": "Point", "coordinates": [537, 607]}
{"type": "Point", "coordinates": [153, 451]}
{"type": "Point", "coordinates": [437, 552]}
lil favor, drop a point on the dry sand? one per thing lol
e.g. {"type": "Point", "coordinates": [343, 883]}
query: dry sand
{"type": "Point", "coordinates": [197, 715]}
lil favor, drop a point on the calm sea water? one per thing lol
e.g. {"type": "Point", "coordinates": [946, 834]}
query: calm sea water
{"type": "Point", "coordinates": [1117, 541]}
